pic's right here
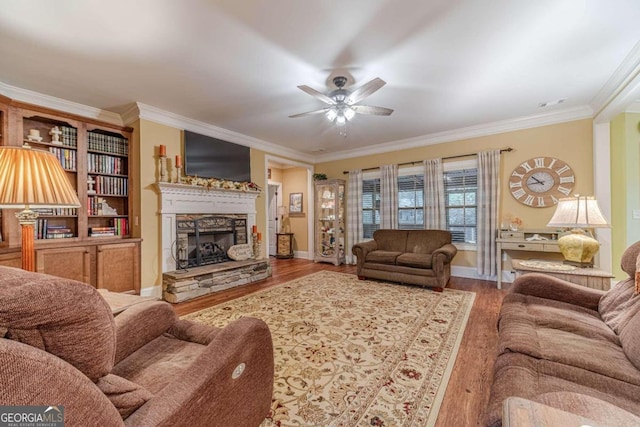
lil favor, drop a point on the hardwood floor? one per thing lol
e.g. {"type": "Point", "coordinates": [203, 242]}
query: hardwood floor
{"type": "Point", "coordinates": [468, 389]}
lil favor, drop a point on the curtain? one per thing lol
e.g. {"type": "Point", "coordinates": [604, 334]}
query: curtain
{"type": "Point", "coordinates": [389, 196]}
{"type": "Point", "coordinates": [434, 208]}
{"type": "Point", "coordinates": [488, 198]}
{"type": "Point", "coordinates": [354, 212]}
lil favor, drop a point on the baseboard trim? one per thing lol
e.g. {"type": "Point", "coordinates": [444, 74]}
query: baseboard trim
{"type": "Point", "coordinates": [301, 254]}
{"type": "Point", "coordinates": [472, 273]}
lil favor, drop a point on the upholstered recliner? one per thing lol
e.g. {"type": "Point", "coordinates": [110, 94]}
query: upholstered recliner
{"type": "Point", "coordinates": [60, 345]}
{"type": "Point", "coordinates": [418, 257]}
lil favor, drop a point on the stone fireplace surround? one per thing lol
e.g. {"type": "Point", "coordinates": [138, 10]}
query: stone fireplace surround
{"type": "Point", "coordinates": [180, 200]}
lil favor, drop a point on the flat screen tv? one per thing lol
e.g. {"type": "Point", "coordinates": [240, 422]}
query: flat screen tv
{"type": "Point", "coordinates": [209, 157]}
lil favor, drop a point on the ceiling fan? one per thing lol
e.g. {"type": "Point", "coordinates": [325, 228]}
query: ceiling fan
{"type": "Point", "coordinates": [343, 103]}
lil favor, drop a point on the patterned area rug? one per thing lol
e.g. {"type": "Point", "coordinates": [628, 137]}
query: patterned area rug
{"type": "Point", "coordinates": [350, 352]}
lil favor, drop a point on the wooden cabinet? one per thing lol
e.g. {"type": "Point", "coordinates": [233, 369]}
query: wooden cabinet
{"type": "Point", "coordinates": [329, 221]}
{"type": "Point", "coordinates": [118, 267]}
{"type": "Point", "coordinates": [92, 243]}
{"type": "Point", "coordinates": [284, 245]}
{"type": "Point", "coordinates": [70, 262]}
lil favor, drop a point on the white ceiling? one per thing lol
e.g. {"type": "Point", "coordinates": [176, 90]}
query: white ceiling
{"type": "Point", "coordinates": [235, 64]}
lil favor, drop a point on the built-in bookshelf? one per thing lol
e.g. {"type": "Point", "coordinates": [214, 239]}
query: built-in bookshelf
{"type": "Point", "coordinates": [108, 183]}
{"type": "Point", "coordinates": [92, 243]}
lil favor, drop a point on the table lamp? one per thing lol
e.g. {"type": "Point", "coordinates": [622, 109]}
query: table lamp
{"type": "Point", "coordinates": [577, 213]}
{"type": "Point", "coordinates": [32, 179]}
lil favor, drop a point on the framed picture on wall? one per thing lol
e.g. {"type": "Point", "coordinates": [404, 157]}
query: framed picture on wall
{"type": "Point", "coordinates": [295, 204]}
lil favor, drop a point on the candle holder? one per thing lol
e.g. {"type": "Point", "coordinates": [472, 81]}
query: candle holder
{"type": "Point", "coordinates": [178, 175]}
{"type": "Point", "coordinates": [256, 246]}
{"type": "Point", "coordinates": [163, 169]}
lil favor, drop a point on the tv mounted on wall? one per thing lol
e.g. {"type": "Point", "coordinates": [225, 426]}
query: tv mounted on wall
{"type": "Point", "coordinates": [209, 157]}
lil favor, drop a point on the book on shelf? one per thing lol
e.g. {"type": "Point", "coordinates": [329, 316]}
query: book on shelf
{"type": "Point", "coordinates": [108, 143]}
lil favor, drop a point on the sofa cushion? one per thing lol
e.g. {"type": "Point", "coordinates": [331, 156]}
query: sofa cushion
{"type": "Point", "coordinates": [592, 354]}
{"type": "Point", "coordinates": [630, 339]}
{"type": "Point", "coordinates": [426, 241]}
{"type": "Point", "coordinates": [532, 312]}
{"type": "Point", "coordinates": [418, 260]}
{"type": "Point", "coordinates": [391, 269]}
{"type": "Point", "coordinates": [63, 317]}
{"type": "Point", "coordinates": [382, 257]}
{"type": "Point", "coordinates": [619, 305]}
{"type": "Point", "coordinates": [391, 240]}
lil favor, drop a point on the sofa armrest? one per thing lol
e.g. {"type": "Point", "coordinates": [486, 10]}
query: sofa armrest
{"type": "Point", "coordinates": [140, 324]}
{"type": "Point", "coordinates": [448, 250]}
{"type": "Point", "coordinates": [207, 394]}
{"type": "Point", "coordinates": [360, 250]}
{"type": "Point", "coordinates": [549, 287]}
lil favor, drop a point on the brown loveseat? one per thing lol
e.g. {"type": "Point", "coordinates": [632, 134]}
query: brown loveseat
{"type": "Point", "coordinates": [61, 345]}
{"type": "Point", "coordinates": [571, 347]}
{"type": "Point", "coordinates": [418, 257]}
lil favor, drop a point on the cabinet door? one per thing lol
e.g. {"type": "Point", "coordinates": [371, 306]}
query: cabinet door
{"type": "Point", "coordinates": [13, 259]}
{"type": "Point", "coordinates": [71, 263]}
{"type": "Point", "coordinates": [118, 267]}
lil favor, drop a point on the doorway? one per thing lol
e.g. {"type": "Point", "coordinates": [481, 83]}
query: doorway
{"type": "Point", "coordinates": [274, 200]}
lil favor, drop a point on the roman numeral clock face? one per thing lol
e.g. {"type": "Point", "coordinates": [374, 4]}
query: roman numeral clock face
{"type": "Point", "coordinates": [541, 181]}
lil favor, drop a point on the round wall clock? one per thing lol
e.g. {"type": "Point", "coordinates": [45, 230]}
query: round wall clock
{"type": "Point", "coordinates": [541, 181]}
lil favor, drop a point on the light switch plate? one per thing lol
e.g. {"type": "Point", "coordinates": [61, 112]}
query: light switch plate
{"type": "Point", "coordinates": [635, 214]}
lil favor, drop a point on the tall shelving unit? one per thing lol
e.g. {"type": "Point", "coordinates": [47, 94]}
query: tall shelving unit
{"type": "Point", "coordinates": [92, 243]}
{"type": "Point", "coordinates": [329, 221]}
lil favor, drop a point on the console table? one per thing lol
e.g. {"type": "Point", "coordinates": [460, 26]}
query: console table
{"type": "Point", "coordinates": [532, 240]}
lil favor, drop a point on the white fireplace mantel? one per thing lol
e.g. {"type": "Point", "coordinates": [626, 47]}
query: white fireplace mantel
{"type": "Point", "coordinates": [176, 199]}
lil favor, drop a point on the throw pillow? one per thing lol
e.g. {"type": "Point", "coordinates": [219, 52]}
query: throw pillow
{"type": "Point", "coordinates": [240, 252]}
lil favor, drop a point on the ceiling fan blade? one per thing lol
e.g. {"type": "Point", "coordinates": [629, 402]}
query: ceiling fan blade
{"type": "Point", "coordinates": [318, 95]}
{"type": "Point", "coordinates": [365, 90]}
{"type": "Point", "coordinates": [310, 113]}
{"type": "Point", "coordinates": [367, 109]}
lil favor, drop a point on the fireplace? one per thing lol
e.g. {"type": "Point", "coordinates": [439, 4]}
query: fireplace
{"type": "Point", "coordinates": [180, 200]}
{"type": "Point", "coordinates": [205, 239]}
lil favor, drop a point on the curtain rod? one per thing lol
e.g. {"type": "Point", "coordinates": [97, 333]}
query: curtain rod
{"type": "Point", "coordinates": [508, 150]}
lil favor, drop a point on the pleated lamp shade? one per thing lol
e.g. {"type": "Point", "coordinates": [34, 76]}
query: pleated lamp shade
{"type": "Point", "coordinates": [578, 247]}
{"type": "Point", "coordinates": [578, 212]}
{"type": "Point", "coordinates": [35, 179]}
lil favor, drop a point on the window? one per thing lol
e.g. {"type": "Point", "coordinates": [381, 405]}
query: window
{"type": "Point", "coordinates": [461, 189]}
{"type": "Point", "coordinates": [370, 206]}
{"type": "Point", "coordinates": [411, 202]}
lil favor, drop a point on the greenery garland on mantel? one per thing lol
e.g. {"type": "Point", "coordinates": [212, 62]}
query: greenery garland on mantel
{"type": "Point", "coordinates": [221, 184]}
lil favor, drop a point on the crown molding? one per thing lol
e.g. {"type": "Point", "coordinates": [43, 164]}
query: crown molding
{"type": "Point", "coordinates": [131, 114]}
{"type": "Point", "coordinates": [608, 99]}
{"type": "Point", "coordinates": [502, 126]}
{"type": "Point", "coordinates": [148, 112]}
{"type": "Point", "coordinates": [36, 98]}
{"type": "Point", "coordinates": [633, 107]}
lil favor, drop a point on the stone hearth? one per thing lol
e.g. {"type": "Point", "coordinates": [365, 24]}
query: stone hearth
{"type": "Point", "coordinates": [195, 282]}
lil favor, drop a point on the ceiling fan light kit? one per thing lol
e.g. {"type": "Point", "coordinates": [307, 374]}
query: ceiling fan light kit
{"type": "Point", "coordinates": [342, 102]}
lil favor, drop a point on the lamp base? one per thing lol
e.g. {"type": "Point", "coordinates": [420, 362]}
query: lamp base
{"type": "Point", "coordinates": [578, 248]}
{"type": "Point", "coordinates": [27, 219]}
